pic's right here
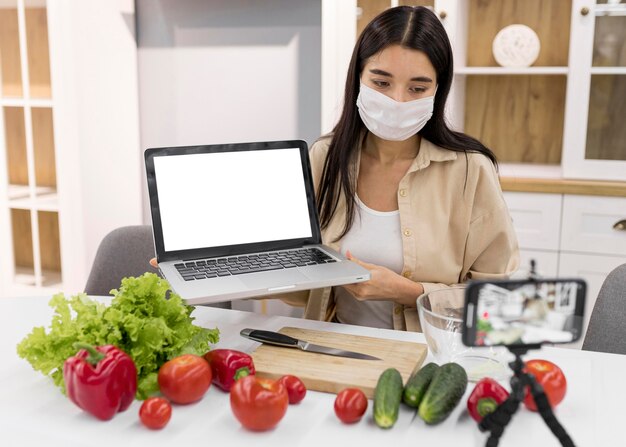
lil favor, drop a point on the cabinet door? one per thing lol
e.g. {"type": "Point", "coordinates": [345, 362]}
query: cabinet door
{"type": "Point", "coordinates": [591, 225]}
{"type": "Point", "coordinates": [546, 264]}
{"type": "Point", "coordinates": [536, 218]}
{"type": "Point", "coordinates": [594, 130]}
{"type": "Point", "coordinates": [593, 269]}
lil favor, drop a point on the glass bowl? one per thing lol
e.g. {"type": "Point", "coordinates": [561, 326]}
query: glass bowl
{"type": "Point", "coordinates": [441, 316]}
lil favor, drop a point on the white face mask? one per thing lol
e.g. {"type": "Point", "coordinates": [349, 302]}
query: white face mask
{"type": "Point", "coordinates": [392, 120]}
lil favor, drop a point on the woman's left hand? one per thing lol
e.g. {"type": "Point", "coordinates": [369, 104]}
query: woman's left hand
{"type": "Point", "coordinates": [383, 283]}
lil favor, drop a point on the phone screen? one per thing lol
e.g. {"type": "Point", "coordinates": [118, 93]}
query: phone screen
{"type": "Point", "coordinates": [518, 313]}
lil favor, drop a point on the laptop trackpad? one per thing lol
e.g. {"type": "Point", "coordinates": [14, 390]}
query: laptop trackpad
{"type": "Point", "coordinates": [276, 278]}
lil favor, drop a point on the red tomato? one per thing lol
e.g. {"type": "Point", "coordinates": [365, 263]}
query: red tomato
{"type": "Point", "coordinates": [551, 377]}
{"type": "Point", "coordinates": [155, 412]}
{"type": "Point", "coordinates": [350, 405]}
{"type": "Point", "coordinates": [258, 404]}
{"type": "Point", "coordinates": [185, 379]}
{"type": "Point", "coordinates": [295, 388]}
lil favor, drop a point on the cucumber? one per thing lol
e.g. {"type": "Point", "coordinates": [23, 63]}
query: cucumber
{"type": "Point", "coordinates": [387, 397]}
{"type": "Point", "coordinates": [444, 393]}
{"type": "Point", "coordinates": [416, 386]}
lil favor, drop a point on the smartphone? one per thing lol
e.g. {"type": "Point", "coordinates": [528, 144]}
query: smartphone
{"type": "Point", "coordinates": [521, 313]}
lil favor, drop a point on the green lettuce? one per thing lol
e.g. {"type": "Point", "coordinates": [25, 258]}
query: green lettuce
{"type": "Point", "coordinates": [145, 319]}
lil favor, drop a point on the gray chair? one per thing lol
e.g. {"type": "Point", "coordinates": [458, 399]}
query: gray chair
{"type": "Point", "coordinates": [125, 251]}
{"type": "Point", "coordinates": [607, 327]}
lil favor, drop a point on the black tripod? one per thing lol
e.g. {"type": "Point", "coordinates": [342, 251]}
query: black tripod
{"type": "Point", "coordinates": [496, 422]}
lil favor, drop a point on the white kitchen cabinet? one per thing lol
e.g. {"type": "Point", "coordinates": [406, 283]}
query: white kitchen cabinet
{"type": "Point", "coordinates": [589, 246]}
{"type": "Point", "coordinates": [537, 222]}
{"type": "Point", "coordinates": [594, 135]}
{"type": "Point", "coordinates": [546, 263]}
{"type": "Point", "coordinates": [593, 269]}
{"type": "Point", "coordinates": [591, 243]}
{"type": "Point", "coordinates": [69, 138]}
{"type": "Point", "coordinates": [592, 225]}
{"type": "Point", "coordinates": [537, 219]}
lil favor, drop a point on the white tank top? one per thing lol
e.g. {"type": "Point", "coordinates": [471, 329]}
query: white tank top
{"type": "Point", "coordinates": [375, 237]}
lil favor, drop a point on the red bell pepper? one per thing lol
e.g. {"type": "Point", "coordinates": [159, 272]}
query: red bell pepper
{"type": "Point", "coordinates": [100, 380]}
{"type": "Point", "coordinates": [485, 398]}
{"type": "Point", "coordinates": [229, 365]}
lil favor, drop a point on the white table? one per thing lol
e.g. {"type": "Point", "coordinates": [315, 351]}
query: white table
{"type": "Point", "coordinates": [34, 412]}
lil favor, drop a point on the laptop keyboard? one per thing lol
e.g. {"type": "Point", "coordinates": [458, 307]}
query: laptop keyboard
{"type": "Point", "coordinates": [238, 265]}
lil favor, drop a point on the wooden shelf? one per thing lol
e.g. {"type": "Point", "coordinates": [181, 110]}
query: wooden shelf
{"type": "Point", "coordinates": [50, 278]}
{"type": "Point", "coordinates": [549, 19]}
{"type": "Point", "coordinates": [518, 113]}
{"type": "Point", "coordinates": [21, 102]}
{"type": "Point", "coordinates": [22, 191]}
{"type": "Point", "coordinates": [519, 117]}
{"type": "Point", "coordinates": [610, 10]}
{"type": "Point", "coordinates": [46, 198]}
{"type": "Point", "coordinates": [608, 70]}
{"type": "Point", "coordinates": [562, 186]}
{"type": "Point", "coordinates": [49, 202]}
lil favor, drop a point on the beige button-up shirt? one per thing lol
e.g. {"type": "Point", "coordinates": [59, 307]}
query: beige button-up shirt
{"type": "Point", "coordinates": [455, 226]}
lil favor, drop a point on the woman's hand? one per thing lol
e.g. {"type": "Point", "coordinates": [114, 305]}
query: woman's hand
{"type": "Point", "coordinates": [384, 284]}
{"type": "Point", "coordinates": [153, 263]}
{"type": "Point", "coordinates": [380, 284]}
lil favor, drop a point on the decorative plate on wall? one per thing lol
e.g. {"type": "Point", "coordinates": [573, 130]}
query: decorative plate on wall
{"type": "Point", "coordinates": [516, 46]}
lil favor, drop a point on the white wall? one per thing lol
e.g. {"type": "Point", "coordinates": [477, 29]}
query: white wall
{"type": "Point", "coordinates": [228, 71]}
{"type": "Point", "coordinates": [96, 122]}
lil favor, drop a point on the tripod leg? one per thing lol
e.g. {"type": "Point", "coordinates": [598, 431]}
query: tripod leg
{"type": "Point", "coordinates": [497, 421]}
{"type": "Point", "coordinates": [545, 410]}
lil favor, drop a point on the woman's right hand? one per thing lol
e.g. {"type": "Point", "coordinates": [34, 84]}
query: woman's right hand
{"type": "Point", "coordinates": [153, 263]}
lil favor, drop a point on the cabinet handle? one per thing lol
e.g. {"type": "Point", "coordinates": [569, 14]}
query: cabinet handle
{"type": "Point", "coordinates": [584, 11]}
{"type": "Point", "coordinates": [620, 225]}
{"type": "Point", "coordinates": [443, 15]}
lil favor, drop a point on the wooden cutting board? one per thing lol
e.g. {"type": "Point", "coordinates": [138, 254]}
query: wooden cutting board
{"type": "Point", "coordinates": [331, 374]}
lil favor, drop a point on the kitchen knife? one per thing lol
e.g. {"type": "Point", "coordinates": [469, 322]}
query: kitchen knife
{"type": "Point", "coordinates": [278, 339]}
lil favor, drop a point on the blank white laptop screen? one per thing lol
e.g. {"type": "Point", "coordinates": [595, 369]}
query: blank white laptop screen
{"type": "Point", "coordinates": [229, 198]}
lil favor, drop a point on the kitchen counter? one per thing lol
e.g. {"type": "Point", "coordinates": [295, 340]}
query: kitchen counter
{"type": "Point", "coordinates": [34, 412]}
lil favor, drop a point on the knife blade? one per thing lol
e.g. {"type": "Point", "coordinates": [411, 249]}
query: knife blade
{"type": "Point", "coordinates": [278, 339]}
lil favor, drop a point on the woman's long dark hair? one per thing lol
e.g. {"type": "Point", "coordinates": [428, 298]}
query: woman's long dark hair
{"type": "Point", "coordinates": [415, 28]}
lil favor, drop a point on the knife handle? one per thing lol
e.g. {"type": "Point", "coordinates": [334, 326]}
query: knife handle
{"type": "Point", "coordinates": [273, 338]}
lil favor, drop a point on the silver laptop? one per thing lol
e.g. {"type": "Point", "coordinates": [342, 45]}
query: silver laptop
{"type": "Point", "coordinates": [235, 221]}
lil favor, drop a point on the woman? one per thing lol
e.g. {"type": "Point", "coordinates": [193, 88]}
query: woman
{"type": "Point", "coordinates": [414, 202]}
